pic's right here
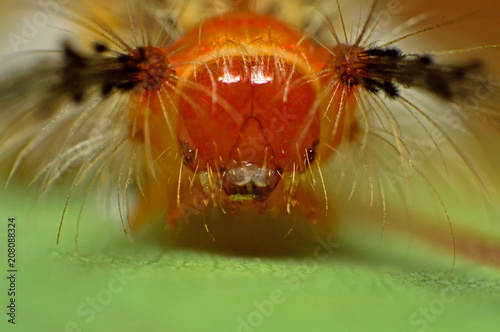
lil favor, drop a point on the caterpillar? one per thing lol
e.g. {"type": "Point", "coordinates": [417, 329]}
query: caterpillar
{"type": "Point", "coordinates": [253, 120]}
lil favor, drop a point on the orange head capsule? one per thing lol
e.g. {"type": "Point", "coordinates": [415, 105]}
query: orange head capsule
{"type": "Point", "coordinates": [246, 104]}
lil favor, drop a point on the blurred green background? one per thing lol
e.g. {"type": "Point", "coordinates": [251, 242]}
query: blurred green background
{"type": "Point", "coordinates": [112, 285]}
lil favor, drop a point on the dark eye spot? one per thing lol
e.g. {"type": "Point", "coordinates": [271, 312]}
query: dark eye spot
{"type": "Point", "coordinates": [189, 156]}
{"type": "Point", "coordinates": [188, 152]}
{"type": "Point", "coordinates": [311, 155]}
{"type": "Point", "coordinates": [311, 152]}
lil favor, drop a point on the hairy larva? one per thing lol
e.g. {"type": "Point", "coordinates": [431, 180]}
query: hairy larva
{"type": "Point", "coordinates": [250, 120]}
